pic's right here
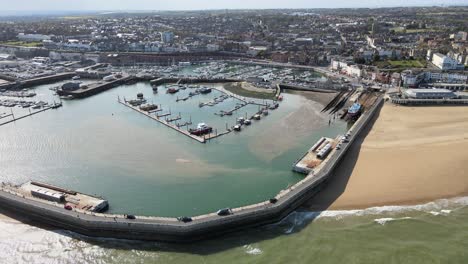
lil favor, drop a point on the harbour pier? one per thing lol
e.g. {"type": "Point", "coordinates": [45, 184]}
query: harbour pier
{"type": "Point", "coordinates": [168, 123]}
{"type": "Point", "coordinates": [54, 106]}
{"type": "Point", "coordinates": [170, 229]}
{"type": "Point", "coordinates": [96, 88]}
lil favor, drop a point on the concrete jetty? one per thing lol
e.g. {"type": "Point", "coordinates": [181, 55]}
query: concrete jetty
{"type": "Point", "coordinates": [172, 230]}
{"type": "Point", "coordinates": [37, 81]}
{"type": "Point", "coordinates": [95, 88]}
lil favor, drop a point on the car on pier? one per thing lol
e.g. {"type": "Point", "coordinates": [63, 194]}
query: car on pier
{"type": "Point", "coordinates": [131, 217]}
{"type": "Point", "coordinates": [184, 219]}
{"type": "Point", "coordinates": [224, 212]}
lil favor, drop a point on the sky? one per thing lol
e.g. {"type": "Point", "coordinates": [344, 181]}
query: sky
{"type": "Point", "coordinates": [112, 5]}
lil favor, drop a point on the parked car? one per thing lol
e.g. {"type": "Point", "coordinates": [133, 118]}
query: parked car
{"type": "Point", "coordinates": [224, 211]}
{"type": "Point", "coordinates": [184, 219]}
{"type": "Point", "coordinates": [132, 217]}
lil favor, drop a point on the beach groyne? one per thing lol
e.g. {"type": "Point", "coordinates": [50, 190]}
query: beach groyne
{"type": "Point", "coordinates": [172, 230]}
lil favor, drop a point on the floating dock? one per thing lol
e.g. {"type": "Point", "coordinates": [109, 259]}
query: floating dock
{"type": "Point", "coordinates": [56, 105]}
{"type": "Point", "coordinates": [168, 123]}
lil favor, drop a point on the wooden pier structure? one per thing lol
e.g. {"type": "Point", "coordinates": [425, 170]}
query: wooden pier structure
{"type": "Point", "coordinates": [24, 116]}
{"type": "Point", "coordinates": [176, 127]}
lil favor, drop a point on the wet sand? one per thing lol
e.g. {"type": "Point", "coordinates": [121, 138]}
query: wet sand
{"type": "Point", "coordinates": [322, 98]}
{"type": "Point", "coordinates": [409, 156]}
{"type": "Point", "coordinates": [288, 132]}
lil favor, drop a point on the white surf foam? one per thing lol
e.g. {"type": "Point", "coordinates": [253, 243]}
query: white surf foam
{"type": "Point", "coordinates": [383, 221]}
{"type": "Point", "coordinates": [443, 207]}
{"type": "Point", "coordinates": [251, 250]}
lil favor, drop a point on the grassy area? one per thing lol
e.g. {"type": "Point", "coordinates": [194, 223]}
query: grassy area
{"type": "Point", "coordinates": [237, 89]}
{"type": "Point", "coordinates": [22, 43]}
{"type": "Point", "coordinates": [399, 65]}
{"type": "Point", "coordinates": [408, 63]}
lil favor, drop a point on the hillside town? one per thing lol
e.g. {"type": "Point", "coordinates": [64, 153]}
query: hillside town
{"type": "Point", "coordinates": [408, 47]}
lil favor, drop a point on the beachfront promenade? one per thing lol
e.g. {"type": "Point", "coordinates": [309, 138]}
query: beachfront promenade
{"type": "Point", "coordinates": [172, 230]}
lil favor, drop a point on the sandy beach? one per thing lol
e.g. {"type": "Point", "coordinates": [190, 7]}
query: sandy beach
{"type": "Point", "coordinates": [410, 155]}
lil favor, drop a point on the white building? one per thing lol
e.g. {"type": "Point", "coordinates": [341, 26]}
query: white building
{"type": "Point", "coordinates": [167, 37]}
{"type": "Point", "coordinates": [446, 63]}
{"type": "Point", "coordinates": [32, 37]}
{"type": "Point", "coordinates": [212, 47]}
{"type": "Point", "coordinates": [429, 94]}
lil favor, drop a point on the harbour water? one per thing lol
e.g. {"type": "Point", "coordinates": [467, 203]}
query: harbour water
{"type": "Point", "coordinates": [98, 146]}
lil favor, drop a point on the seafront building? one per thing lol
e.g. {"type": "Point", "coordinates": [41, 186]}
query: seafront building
{"type": "Point", "coordinates": [444, 62]}
{"type": "Point", "coordinates": [429, 94]}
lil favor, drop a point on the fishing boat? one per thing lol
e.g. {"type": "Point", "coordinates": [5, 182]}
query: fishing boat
{"type": "Point", "coordinates": [354, 110]}
{"type": "Point", "coordinates": [172, 90]}
{"type": "Point", "coordinates": [148, 107]}
{"type": "Point", "coordinates": [205, 90]}
{"type": "Point", "coordinates": [202, 129]}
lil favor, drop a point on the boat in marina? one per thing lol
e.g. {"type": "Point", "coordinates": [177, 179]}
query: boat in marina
{"type": "Point", "coordinates": [265, 112]}
{"type": "Point", "coordinates": [205, 90]}
{"type": "Point", "coordinates": [257, 117]}
{"type": "Point", "coordinates": [137, 102]}
{"type": "Point", "coordinates": [148, 107]}
{"type": "Point", "coordinates": [354, 110]}
{"type": "Point", "coordinates": [172, 90]}
{"type": "Point", "coordinates": [202, 129]}
{"type": "Point", "coordinates": [247, 122]}
{"type": "Point", "coordinates": [237, 128]}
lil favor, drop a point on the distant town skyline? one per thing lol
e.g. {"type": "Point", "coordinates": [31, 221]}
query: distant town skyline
{"type": "Point", "coordinates": [90, 5]}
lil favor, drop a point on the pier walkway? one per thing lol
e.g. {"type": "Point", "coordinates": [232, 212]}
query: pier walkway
{"type": "Point", "coordinates": [168, 123]}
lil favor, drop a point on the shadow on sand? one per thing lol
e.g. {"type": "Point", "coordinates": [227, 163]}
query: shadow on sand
{"type": "Point", "coordinates": [293, 223]}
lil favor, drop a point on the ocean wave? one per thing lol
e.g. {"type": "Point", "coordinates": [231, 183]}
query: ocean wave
{"type": "Point", "coordinates": [251, 250]}
{"type": "Point", "coordinates": [385, 220]}
{"type": "Point", "coordinates": [442, 207]}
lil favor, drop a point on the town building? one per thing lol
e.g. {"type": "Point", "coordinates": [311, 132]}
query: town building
{"type": "Point", "coordinates": [429, 94]}
{"type": "Point", "coordinates": [446, 63]}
